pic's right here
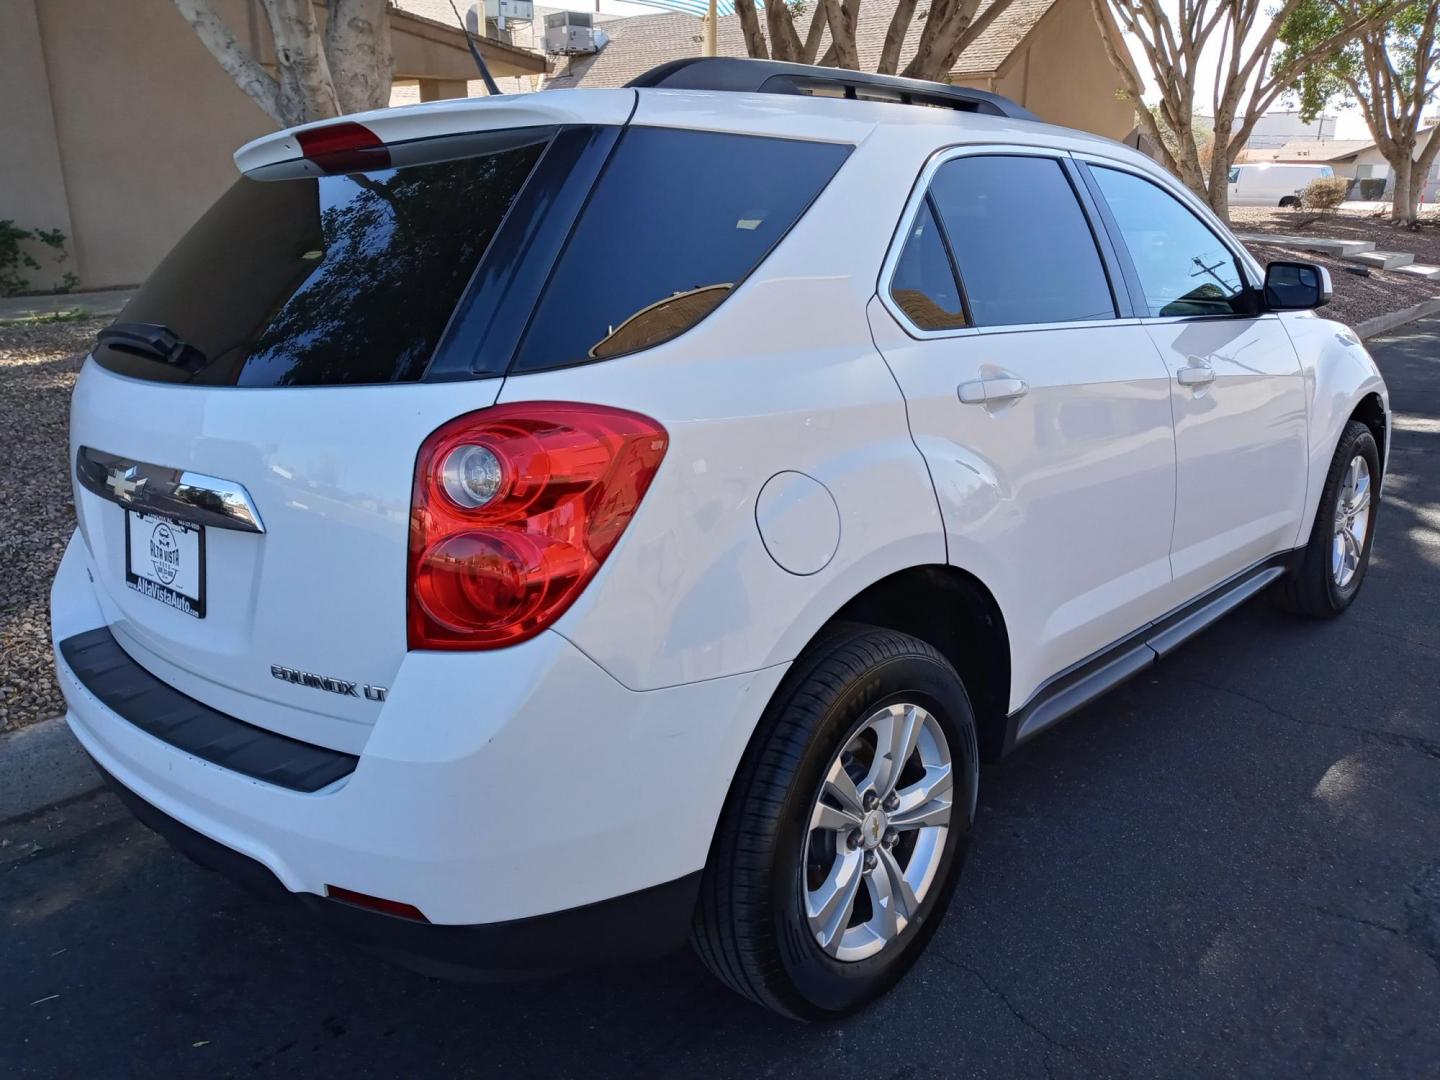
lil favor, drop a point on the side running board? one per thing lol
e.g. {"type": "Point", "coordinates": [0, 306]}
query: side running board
{"type": "Point", "coordinates": [1082, 683]}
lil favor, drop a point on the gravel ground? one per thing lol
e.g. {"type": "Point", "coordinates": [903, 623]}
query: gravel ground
{"type": "Point", "coordinates": [1360, 294]}
{"type": "Point", "coordinates": [1423, 242]}
{"type": "Point", "coordinates": [38, 362]}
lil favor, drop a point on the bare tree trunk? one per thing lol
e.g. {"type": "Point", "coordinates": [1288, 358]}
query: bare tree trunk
{"type": "Point", "coordinates": [1420, 172]}
{"type": "Point", "coordinates": [357, 46]}
{"type": "Point", "coordinates": [1400, 210]}
{"type": "Point", "coordinates": [895, 37]}
{"type": "Point", "coordinates": [750, 26]}
{"type": "Point", "coordinates": [247, 72]}
{"type": "Point", "coordinates": [842, 32]}
{"type": "Point", "coordinates": [306, 89]}
{"type": "Point", "coordinates": [814, 34]}
{"type": "Point", "coordinates": [784, 41]}
{"type": "Point", "coordinates": [1217, 193]}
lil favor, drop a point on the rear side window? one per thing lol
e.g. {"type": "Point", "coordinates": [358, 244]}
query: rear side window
{"type": "Point", "coordinates": [676, 222]}
{"type": "Point", "coordinates": [924, 285]}
{"type": "Point", "coordinates": [1021, 241]}
{"type": "Point", "coordinates": [332, 280]}
{"type": "Point", "coordinates": [1183, 267]}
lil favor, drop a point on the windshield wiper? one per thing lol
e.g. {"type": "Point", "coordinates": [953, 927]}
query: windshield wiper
{"type": "Point", "coordinates": [155, 341]}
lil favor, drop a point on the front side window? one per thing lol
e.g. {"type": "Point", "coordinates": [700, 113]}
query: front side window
{"type": "Point", "coordinates": [676, 222]}
{"type": "Point", "coordinates": [1183, 267]}
{"type": "Point", "coordinates": [1021, 241]}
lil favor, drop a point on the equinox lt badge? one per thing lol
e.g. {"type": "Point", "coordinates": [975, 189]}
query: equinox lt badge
{"type": "Point", "coordinates": [343, 687]}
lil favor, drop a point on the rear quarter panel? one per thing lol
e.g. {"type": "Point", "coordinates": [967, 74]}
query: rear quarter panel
{"type": "Point", "coordinates": [783, 376]}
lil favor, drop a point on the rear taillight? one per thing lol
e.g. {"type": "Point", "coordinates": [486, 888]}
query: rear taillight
{"type": "Point", "coordinates": [514, 509]}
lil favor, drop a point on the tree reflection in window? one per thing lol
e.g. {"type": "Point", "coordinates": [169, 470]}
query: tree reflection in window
{"type": "Point", "coordinates": [382, 268]}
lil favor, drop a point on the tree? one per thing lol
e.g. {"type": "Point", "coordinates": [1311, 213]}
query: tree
{"type": "Point", "coordinates": [346, 68]}
{"type": "Point", "coordinates": [1252, 70]}
{"type": "Point", "coordinates": [1391, 71]}
{"type": "Point", "coordinates": [949, 26]}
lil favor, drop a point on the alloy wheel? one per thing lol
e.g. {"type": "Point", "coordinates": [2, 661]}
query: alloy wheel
{"type": "Point", "coordinates": [877, 831]}
{"type": "Point", "coordinates": [1352, 522]}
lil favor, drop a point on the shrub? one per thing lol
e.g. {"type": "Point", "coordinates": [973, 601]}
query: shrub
{"type": "Point", "coordinates": [1325, 194]}
{"type": "Point", "coordinates": [14, 261]}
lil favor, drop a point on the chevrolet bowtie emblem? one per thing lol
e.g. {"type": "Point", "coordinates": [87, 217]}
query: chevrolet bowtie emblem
{"type": "Point", "coordinates": [123, 482]}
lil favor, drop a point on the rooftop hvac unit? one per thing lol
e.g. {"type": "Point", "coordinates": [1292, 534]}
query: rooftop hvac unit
{"type": "Point", "coordinates": [503, 11]}
{"type": "Point", "coordinates": [570, 33]}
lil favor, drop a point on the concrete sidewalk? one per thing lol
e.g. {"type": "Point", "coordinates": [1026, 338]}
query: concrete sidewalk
{"type": "Point", "coordinates": [102, 302]}
{"type": "Point", "coordinates": [42, 765]}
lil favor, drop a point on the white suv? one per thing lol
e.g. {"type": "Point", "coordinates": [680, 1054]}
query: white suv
{"type": "Point", "coordinates": [534, 530]}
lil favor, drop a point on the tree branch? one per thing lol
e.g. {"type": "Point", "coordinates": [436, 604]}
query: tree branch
{"type": "Point", "coordinates": [225, 47]}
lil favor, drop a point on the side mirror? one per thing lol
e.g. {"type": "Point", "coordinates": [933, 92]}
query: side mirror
{"type": "Point", "coordinates": [1296, 286]}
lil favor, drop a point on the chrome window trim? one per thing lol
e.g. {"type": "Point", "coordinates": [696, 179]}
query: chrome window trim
{"type": "Point", "coordinates": [173, 493]}
{"type": "Point", "coordinates": [907, 222]}
{"type": "Point", "coordinates": [1254, 272]}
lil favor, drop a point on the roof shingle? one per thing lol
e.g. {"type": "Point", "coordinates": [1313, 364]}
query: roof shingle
{"type": "Point", "coordinates": [640, 43]}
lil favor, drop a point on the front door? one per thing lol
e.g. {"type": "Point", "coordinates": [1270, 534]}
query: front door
{"type": "Point", "coordinates": [1042, 410]}
{"type": "Point", "coordinates": [1236, 387]}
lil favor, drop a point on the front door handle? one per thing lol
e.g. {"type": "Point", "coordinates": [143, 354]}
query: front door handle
{"type": "Point", "coordinates": [1195, 376]}
{"type": "Point", "coordinates": [987, 391]}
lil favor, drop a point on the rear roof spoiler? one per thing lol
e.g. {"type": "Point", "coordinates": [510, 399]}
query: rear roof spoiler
{"type": "Point", "coordinates": [774, 77]}
{"type": "Point", "coordinates": [457, 116]}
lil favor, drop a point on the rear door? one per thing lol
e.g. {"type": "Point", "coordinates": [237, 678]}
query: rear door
{"type": "Point", "coordinates": [1042, 408]}
{"type": "Point", "coordinates": [246, 435]}
{"type": "Point", "coordinates": [1236, 386]}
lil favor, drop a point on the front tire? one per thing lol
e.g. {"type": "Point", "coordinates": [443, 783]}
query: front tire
{"type": "Point", "coordinates": [845, 828]}
{"type": "Point", "coordinates": [1331, 567]}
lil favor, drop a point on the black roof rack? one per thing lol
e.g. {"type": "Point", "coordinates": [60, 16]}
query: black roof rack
{"type": "Point", "coordinates": [774, 77]}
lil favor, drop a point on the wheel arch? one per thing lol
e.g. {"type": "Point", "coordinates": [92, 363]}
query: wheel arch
{"type": "Point", "coordinates": [955, 612]}
{"type": "Point", "coordinates": [1370, 411]}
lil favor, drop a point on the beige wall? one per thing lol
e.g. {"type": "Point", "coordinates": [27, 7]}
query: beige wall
{"type": "Point", "coordinates": [144, 122]}
{"type": "Point", "coordinates": [32, 183]}
{"type": "Point", "coordinates": [1062, 75]}
{"type": "Point", "coordinates": [118, 125]}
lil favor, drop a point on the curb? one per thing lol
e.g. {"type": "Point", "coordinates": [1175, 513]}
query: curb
{"type": "Point", "coordinates": [88, 305]}
{"type": "Point", "coordinates": [1383, 324]}
{"type": "Point", "coordinates": [42, 765]}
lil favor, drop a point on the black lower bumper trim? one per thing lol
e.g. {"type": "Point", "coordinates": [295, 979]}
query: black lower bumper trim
{"type": "Point", "coordinates": [648, 923]}
{"type": "Point", "coordinates": [127, 689]}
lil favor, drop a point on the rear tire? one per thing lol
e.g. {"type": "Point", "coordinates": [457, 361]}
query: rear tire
{"type": "Point", "coordinates": [1330, 569]}
{"type": "Point", "coordinates": [1289, 201]}
{"type": "Point", "coordinates": [818, 813]}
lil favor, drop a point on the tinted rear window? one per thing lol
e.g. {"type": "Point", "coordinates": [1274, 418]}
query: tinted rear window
{"type": "Point", "coordinates": [675, 224]}
{"type": "Point", "coordinates": [331, 280]}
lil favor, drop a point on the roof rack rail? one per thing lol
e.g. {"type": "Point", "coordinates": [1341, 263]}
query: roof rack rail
{"type": "Point", "coordinates": [775, 77]}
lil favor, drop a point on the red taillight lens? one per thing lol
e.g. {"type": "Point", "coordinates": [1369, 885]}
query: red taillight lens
{"type": "Point", "coordinates": [344, 147]}
{"type": "Point", "coordinates": [515, 508]}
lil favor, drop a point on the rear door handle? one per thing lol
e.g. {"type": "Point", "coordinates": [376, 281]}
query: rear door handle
{"type": "Point", "coordinates": [985, 391]}
{"type": "Point", "coordinates": [1195, 376]}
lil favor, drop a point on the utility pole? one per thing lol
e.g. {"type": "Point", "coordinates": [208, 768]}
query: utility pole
{"type": "Point", "coordinates": [707, 47]}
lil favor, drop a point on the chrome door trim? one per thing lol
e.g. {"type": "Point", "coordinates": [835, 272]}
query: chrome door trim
{"type": "Point", "coordinates": [912, 210]}
{"type": "Point", "coordinates": [1188, 199]}
{"type": "Point", "coordinates": [174, 493]}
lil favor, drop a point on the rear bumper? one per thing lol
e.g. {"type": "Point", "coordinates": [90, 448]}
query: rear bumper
{"type": "Point", "coordinates": [650, 922]}
{"type": "Point", "coordinates": [493, 788]}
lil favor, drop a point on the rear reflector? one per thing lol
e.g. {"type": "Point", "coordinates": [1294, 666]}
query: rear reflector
{"type": "Point", "coordinates": [344, 147]}
{"type": "Point", "coordinates": [375, 903]}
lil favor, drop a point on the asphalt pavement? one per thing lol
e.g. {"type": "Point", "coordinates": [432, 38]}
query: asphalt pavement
{"type": "Point", "coordinates": [1230, 866]}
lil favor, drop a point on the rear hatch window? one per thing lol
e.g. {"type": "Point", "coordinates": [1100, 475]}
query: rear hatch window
{"type": "Point", "coordinates": [328, 280]}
